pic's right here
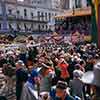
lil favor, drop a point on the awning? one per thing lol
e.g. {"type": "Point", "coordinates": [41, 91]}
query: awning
{"type": "Point", "coordinates": [75, 12]}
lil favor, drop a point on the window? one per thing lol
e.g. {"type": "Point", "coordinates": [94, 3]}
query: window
{"type": "Point", "coordinates": [38, 2]}
{"type": "Point", "coordinates": [9, 11]}
{"type": "Point", "coordinates": [32, 26]}
{"type": "Point", "coordinates": [25, 27]}
{"type": "Point", "coordinates": [18, 27]}
{"type": "Point", "coordinates": [10, 27]}
{"type": "Point", "coordinates": [49, 16]}
{"type": "Point", "coordinates": [42, 15]}
{"type": "Point", "coordinates": [42, 26]}
{"type": "Point", "coordinates": [25, 12]}
{"type": "Point", "coordinates": [39, 27]}
{"type": "Point", "coordinates": [77, 3]}
{"type": "Point", "coordinates": [45, 16]}
{"type": "Point", "coordinates": [46, 27]}
{"type": "Point", "coordinates": [0, 26]}
{"type": "Point", "coordinates": [18, 13]}
{"type": "Point", "coordinates": [31, 15]}
{"type": "Point", "coordinates": [88, 2]}
{"type": "Point", "coordinates": [55, 14]}
{"type": "Point", "coordinates": [38, 15]}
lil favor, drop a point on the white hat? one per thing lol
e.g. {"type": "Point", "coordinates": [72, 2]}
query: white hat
{"type": "Point", "coordinates": [77, 73]}
{"type": "Point", "coordinates": [20, 62]}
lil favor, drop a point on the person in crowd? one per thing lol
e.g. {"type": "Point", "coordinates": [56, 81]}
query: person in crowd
{"type": "Point", "coordinates": [57, 76]}
{"type": "Point", "coordinates": [92, 78]}
{"type": "Point", "coordinates": [46, 74]}
{"type": "Point", "coordinates": [9, 72]}
{"type": "Point", "coordinates": [29, 64]}
{"type": "Point", "coordinates": [3, 60]}
{"type": "Point", "coordinates": [11, 60]}
{"type": "Point", "coordinates": [31, 87]}
{"type": "Point", "coordinates": [63, 65]}
{"type": "Point", "coordinates": [60, 92]}
{"type": "Point", "coordinates": [21, 78]}
{"type": "Point", "coordinates": [78, 67]}
{"type": "Point", "coordinates": [32, 53]}
{"type": "Point", "coordinates": [44, 96]}
{"type": "Point", "coordinates": [76, 85]}
{"type": "Point", "coordinates": [23, 57]}
{"type": "Point", "coordinates": [82, 65]}
{"type": "Point", "coordinates": [90, 63]}
{"type": "Point", "coordinates": [3, 98]}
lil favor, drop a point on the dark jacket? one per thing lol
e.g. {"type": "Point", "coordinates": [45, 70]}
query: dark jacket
{"type": "Point", "coordinates": [21, 77]}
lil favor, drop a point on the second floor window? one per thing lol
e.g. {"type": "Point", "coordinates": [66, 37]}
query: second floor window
{"type": "Point", "coordinates": [25, 12]}
{"type": "Point", "coordinates": [38, 15]}
{"type": "Point", "coordinates": [46, 16]}
{"type": "Point", "coordinates": [77, 3]}
{"type": "Point", "coordinates": [42, 16]}
{"type": "Point", "coordinates": [31, 15]}
{"type": "Point", "coordinates": [0, 26]}
{"type": "Point", "coordinates": [18, 13]}
{"type": "Point", "coordinates": [39, 28]}
{"type": "Point", "coordinates": [9, 11]}
{"type": "Point", "coordinates": [49, 16]}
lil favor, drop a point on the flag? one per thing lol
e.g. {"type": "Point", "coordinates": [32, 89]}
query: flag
{"type": "Point", "coordinates": [95, 21]}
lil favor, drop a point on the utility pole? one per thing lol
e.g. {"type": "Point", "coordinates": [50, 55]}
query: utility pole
{"type": "Point", "coordinates": [4, 16]}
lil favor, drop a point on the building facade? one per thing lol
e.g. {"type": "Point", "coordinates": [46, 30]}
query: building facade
{"type": "Point", "coordinates": [76, 16]}
{"type": "Point", "coordinates": [27, 16]}
{"type": "Point", "coordinates": [70, 4]}
{"type": "Point", "coordinates": [77, 3]}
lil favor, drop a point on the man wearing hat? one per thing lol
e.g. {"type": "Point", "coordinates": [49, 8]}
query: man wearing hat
{"type": "Point", "coordinates": [93, 78]}
{"type": "Point", "coordinates": [60, 92]}
{"type": "Point", "coordinates": [21, 77]}
{"type": "Point", "coordinates": [46, 74]}
{"type": "Point", "coordinates": [76, 85]}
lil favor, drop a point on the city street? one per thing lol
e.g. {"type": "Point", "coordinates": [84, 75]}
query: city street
{"type": "Point", "coordinates": [49, 49]}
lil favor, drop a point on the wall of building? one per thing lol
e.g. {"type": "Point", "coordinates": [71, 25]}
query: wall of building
{"type": "Point", "coordinates": [26, 14]}
{"type": "Point", "coordinates": [42, 3]}
{"type": "Point", "coordinates": [79, 3]}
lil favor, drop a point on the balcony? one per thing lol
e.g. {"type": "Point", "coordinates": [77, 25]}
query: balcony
{"type": "Point", "coordinates": [33, 19]}
{"type": "Point", "coordinates": [11, 16]}
{"type": "Point", "coordinates": [75, 12]}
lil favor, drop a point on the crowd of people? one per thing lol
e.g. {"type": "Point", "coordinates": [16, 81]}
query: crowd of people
{"type": "Point", "coordinates": [53, 69]}
{"type": "Point", "coordinates": [82, 24]}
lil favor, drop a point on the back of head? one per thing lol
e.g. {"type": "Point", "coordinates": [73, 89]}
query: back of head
{"type": "Point", "coordinates": [61, 85]}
